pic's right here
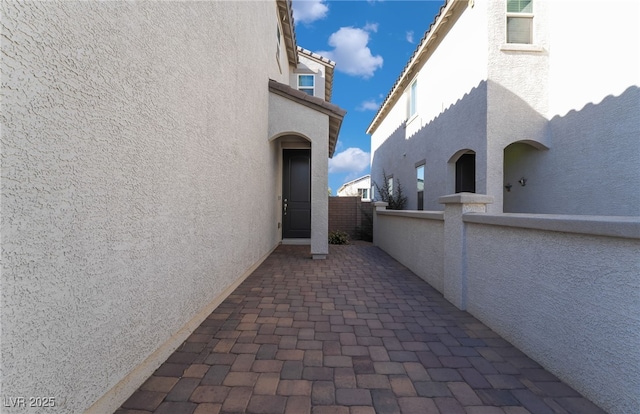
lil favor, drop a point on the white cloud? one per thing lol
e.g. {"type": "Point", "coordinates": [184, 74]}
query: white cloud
{"type": "Point", "coordinates": [368, 105]}
{"type": "Point", "coordinates": [351, 54]}
{"type": "Point", "coordinates": [352, 160]}
{"type": "Point", "coordinates": [308, 11]}
{"type": "Point", "coordinates": [371, 27]}
{"type": "Point", "coordinates": [410, 36]}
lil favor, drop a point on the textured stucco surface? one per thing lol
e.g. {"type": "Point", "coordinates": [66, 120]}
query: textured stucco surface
{"type": "Point", "coordinates": [570, 301]}
{"type": "Point", "coordinates": [568, 295]}
{"type": "Point", "coordinates": [134, 187]}
{"type": "Point", "coordinates": [451, 114]}
{"type": "Point", "coordinates": [416, 241]}
{"type": "Point", "coordinates": [562, 112]}
{"type": "Point", "coordinates": [288, 118]}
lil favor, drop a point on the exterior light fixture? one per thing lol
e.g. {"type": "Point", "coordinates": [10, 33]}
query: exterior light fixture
{"type": "Point", "coordinates": [508, 187]}
{"type": "Point", "coordinates": [522, 181]}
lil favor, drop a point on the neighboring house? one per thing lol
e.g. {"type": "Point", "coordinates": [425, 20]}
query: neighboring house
{"type": "Point", "coordinates": [360, 187]}
{"type": "Point", "coordinates": [153, 154]}
{"type": "Point", "coordinates": [509, 99]}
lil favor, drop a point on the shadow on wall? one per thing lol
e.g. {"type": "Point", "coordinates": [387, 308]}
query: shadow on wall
{"type": "Point", "coordinates": [461, 126]}
{"type": "Point", "coordinates": [591, 168]}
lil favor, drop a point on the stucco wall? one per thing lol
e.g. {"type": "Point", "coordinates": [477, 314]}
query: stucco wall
{"type": "Point", "coordinates": [287, 118]}
{"type": "Point", "coordinates": [591, 167]}
{"type": "Point", "coordinates": [124, 145]}
{"type": "Point", "coordinates": [570, 301]}
{"type": "Point", "coordinates": [415, 239]}
{"type": "Point", "coordinates": [563, 289]}
{"type": "Point", "coordinates": [571, 94]}
{"type": "Point", "coordinates": [451, 113]}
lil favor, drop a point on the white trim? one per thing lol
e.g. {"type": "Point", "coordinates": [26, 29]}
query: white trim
{"type": "Point", "coordinates": [521, 47]}
{"type": "Point", "coordinates": [306, 88]}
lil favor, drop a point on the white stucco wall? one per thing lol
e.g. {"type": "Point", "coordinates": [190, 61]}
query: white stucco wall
{"type": "Point", "coordinates": [592, 78]}
{"type": "Point", "coordinates": [290, 118]}
{"type": "Point", "coordinates": [124, 144]}
{"type": "Point", "coordinates": [451, 113]}
{"type": "Point", "coordinates": [415, 239]}
{"type": "Point", "coordinates": [569, 301]}
{"type": "Point", "coordinates": [563, 289]}
{"type": "Point", "coordinates": [599, 56]}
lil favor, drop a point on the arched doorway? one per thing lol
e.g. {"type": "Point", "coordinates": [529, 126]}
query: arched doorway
{"type": "Point", "coordinates": [466, 173]}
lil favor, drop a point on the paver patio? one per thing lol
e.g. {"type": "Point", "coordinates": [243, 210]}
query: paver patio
{"type": "Point", "coordinates": [356, 333]}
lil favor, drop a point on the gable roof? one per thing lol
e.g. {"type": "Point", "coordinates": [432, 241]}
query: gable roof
{"type": "Point", "coordinates": [328, 75]}
{"type": "Point", "coordinates": [419, 56]}
{"type": "Point", "coordinates": [335, 113]}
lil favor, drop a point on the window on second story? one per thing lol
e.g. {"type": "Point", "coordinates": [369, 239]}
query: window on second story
{"type": "Point", "coordinates": [412, 106]}
{"type": "Point", "coordinates": [306, 83]}
{"type": "Point", "coordinates": [520, 21]}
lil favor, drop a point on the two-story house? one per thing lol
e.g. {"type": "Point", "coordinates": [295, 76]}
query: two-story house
{"type": "Point", "coordinates": [532, 102]}
{"type": "Point", "coordinates": [153, 154]}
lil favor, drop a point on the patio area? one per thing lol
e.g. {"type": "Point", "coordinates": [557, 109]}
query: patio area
{"type": "Point", "coordinates": [356, 333]}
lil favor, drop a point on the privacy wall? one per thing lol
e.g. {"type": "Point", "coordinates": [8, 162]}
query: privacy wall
{"type": "Point", "coordinates": [563, 289]}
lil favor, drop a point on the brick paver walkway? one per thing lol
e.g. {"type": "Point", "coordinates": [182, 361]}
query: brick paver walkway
{"type": "Point", "coordinates": [356, 333]}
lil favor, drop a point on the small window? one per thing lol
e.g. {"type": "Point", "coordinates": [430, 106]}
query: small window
{"type": "Point", "coordinates": [420, 186]}
{"type": "Point", "coordinates": [520, 21]}
{"type": "Point", "coordinates": [390, 185]}
{"type": "Point", "coordinates": [365, 193]}
{"type": "Point", "coordinates": [413, 99]}
{"type": "Point", "coordinates": [306, 84]}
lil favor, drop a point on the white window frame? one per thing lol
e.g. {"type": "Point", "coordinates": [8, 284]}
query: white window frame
{"type": "Point", "coordinates": [412, 100]}
{"type": "Point", "coordinates": [279, 45]}
{"type": "Point", "coordinates": [519, 15]}
{"type": "Point", "coordinates": [312, 89]}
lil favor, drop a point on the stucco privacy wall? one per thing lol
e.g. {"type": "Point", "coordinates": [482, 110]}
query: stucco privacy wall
{"type": "Point", "coordinates": [415, 239]}
{"type": "Point", "coordinates": [124, 145]}
{"type": "Point", "coordinates": [286, 118]}
{"type": "Point", "coordinates": [564, 289]}
{"type": "Point", "coordinates": [570, 301]}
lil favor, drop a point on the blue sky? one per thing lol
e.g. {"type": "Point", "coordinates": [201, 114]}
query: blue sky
{"type": "Point", "coordinates": [371, 42]}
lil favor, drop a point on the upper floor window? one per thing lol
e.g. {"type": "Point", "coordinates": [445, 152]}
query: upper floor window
{"type": "Point", "coordinates": [413, 99]}
{"type": "Point", "coordinates": [306, 83]}
{"type": "Point", "coordinates": [520, 21]}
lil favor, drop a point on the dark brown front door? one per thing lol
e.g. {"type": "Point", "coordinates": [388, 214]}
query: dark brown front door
{"type": "Point", "coordinates": [296, 194]}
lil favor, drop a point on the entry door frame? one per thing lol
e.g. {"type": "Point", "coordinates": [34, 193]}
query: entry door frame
{"type": "Point", "coordinates": [296, 197]}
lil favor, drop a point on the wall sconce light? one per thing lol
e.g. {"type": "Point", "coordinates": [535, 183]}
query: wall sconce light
{"type": "Point", "coordinates": [508, 187]}
{"type": "Point", "coordinates": [522, 181]}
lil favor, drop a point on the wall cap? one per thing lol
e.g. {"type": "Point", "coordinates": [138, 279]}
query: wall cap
{"type": "Point", "coordinates": [611, 226]}
{"type": "Point", "coordinates": [425, 215]}
{"type": "Point", "coordinates": [377, 204]}
{"type": "Point", "coordinates": [466, 198]}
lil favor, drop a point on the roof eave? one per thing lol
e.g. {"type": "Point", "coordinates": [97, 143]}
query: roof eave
{"type": "Point", "coordinates": [334, 112]}
{"type": "Point", "coordinates": [414, 62]}
{"type": "Point", "coordinates": [286, 16]}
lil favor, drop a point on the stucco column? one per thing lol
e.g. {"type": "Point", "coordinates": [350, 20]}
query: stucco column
{"type": "Point", "coordinates": [455, 269]}
{"type": "Point", "coordinates": [377, 206]}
